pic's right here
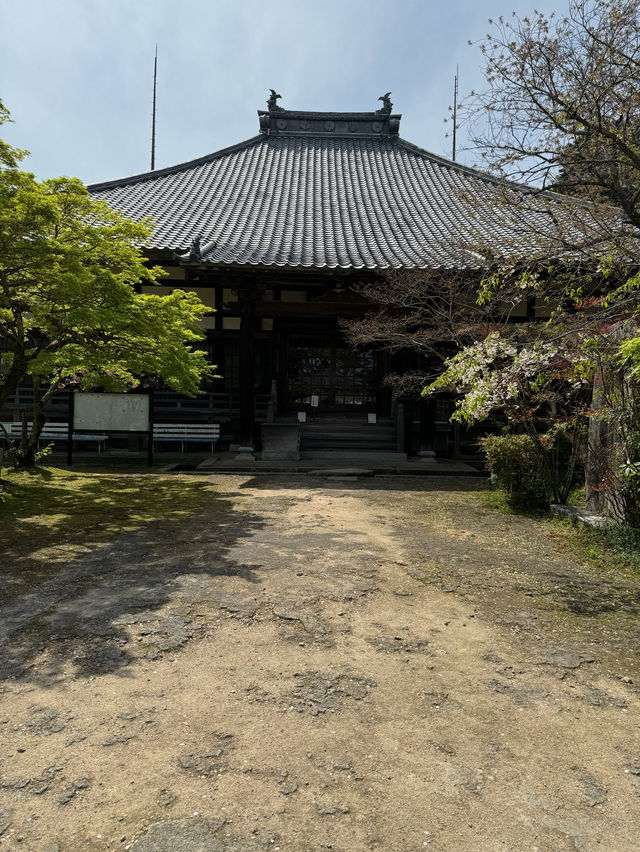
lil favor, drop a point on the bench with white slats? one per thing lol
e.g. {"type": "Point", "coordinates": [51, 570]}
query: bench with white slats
{"type": "Point", "coordinates": [55, 432]}
{"type": "Point", "coordinates": [187, 433]}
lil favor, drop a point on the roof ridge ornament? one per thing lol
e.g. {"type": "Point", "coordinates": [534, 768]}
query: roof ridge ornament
{"type": "Point", "coordinates": [387, 106]}
{"type": "Point", "coordinates": [272, 103]}
{"type": "Point", "coordinates": [381, 124]}
{"type": "Point", "coordinates": [196, 252]}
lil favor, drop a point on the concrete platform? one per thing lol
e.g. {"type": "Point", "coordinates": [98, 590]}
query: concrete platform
{"type": "Point", "coordinates": [373, 465]}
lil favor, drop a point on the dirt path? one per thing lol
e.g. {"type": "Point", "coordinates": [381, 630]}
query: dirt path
{"type": "Point", "coordinates": [309, 665]}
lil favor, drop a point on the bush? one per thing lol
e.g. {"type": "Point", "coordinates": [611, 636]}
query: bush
{"type": "Point", "coordinates": [517, 464]}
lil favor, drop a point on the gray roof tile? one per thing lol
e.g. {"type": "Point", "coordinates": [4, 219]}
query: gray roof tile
{"type": "Point", "coordinates": [322, 201]}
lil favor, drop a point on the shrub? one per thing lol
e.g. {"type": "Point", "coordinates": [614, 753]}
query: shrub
{"type": "Point", "coordinates": [518, 465]}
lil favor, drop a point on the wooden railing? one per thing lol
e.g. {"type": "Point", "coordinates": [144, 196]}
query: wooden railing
{"type": "Point", "coordinates": [220, 406]}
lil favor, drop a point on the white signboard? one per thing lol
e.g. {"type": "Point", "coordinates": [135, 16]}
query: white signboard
{"type": "Point", "coordinates": [117, 412]}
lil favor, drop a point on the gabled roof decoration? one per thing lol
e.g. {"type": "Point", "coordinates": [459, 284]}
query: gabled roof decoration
{"type": "Point", "coordinates": [317, 190]}
{"type": "Point", "coordinates": [275, 121]}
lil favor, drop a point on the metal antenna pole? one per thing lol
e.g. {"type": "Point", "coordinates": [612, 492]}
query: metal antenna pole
{"type": "Point", "coordinates": [455, 113]}
{"type": "Point", "coordinates": [153, 122]}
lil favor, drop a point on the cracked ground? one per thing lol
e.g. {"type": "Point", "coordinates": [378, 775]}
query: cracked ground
{"type": "Point", "coordinates": [305, 664]}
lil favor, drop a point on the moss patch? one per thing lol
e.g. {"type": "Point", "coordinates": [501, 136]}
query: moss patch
{"type": "Point", "coordinates": [48, 516]}
{"type": "Point", "coordinates": [577, 581]}
{"type": "Point", "coordinates": [615, 548]}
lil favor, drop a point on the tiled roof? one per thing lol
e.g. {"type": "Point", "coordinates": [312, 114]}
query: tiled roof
{"type": "Point", "coordinates": [329, 195]}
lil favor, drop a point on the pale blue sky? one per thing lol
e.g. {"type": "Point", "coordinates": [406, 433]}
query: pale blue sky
{"type": "Point", "coordinates": [77, 74]}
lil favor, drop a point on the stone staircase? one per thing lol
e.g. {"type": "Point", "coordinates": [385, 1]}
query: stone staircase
{"type": "Point", "coordinates": [349, 438]}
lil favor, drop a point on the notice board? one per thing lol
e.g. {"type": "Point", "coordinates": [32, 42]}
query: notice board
{"type": "Point", "coordinates": [111, 412]}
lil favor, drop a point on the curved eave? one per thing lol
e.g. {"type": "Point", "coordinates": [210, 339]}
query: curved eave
{"type": "Point", "coordinates": [176, 169]}
{"type": "Point", "coordinates": [215, 264]}
{"type": "Point", "coordinates": [494, 180]}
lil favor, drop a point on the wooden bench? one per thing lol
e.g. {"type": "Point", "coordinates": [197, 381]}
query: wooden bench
{"type": "Point", "coordinates": [187, 433]}
{"type": "Point", "coordinates": [55, 432]}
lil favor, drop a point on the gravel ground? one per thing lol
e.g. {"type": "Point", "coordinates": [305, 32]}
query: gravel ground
{"type": "Point", "coordinates": [315, 663]}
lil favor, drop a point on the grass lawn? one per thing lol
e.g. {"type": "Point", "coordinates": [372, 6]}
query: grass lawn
{"type": "Point", "coordinates": [50, 515]}
{"type": "Point", "coordinates": [615, 548]}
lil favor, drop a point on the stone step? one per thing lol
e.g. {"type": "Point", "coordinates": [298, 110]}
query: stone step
{"type": "Point", "coordinates": [361, 433]}
{"type": "Point", "coordinates": [354, 455]}
{"type": "Point", "coordinates": [354, 438]}
{"type": "Point", "coordinates": [347, 424]}
{"type": "Point", "coordinates": [334, 446]}
{"type": "Point", "coordinates": [336, 431]}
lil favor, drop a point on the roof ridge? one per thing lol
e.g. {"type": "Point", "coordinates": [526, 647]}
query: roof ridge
{"type": "Point", "coordinates": [178, 167]}
{"type": "Point", "coordinates": [460, 167]}
{"type": "Point", "coordinates": [478, 173]}
{"type": "Point", "coordinates": [247, 143]}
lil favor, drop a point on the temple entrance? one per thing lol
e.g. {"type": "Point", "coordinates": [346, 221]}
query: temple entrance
{"type": "Point", "coordinates": [326, 376]}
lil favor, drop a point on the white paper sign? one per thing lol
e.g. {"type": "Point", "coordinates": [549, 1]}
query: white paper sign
{"type": "Point", "coordinates": [117, 412]}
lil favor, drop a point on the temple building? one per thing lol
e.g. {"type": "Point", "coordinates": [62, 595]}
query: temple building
{"type": "Point", "coordinates": [272, 233]}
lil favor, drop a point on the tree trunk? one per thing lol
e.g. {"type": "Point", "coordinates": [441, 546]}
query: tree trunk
{"type": "Point", "coordinates": [599, 449]}
{"type": "Point", "coordinates": [26, 456]}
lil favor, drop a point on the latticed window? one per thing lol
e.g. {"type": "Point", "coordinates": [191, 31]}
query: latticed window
{"type": "Point", "coordinates": [337, 376]}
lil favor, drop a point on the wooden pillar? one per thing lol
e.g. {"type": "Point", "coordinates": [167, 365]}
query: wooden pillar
{"type": "Point", "coordinates": [383, 392]}
{"type": "Point", "coordinates": [408, 427]}
{"type": "Point", "coordinates": [282, 372]}
{"type": "Point", "coordinates": [427, 424]}
{"type": "Point", "coordinates": [401, 434]}
{"type": "Point", "coordinates": [456, 454]}
{"type": "Point", "coordinates": [247, 299]}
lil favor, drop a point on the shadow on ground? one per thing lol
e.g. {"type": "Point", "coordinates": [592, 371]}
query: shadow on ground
{"type": "Point", "coordinates": [404, 484]}
{"type": "Point", "coordinates": [587, 596]}
{"type": "Point", "coordinates": [78, 608]}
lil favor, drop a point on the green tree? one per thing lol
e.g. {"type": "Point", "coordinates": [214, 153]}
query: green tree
{"type": "Point", "coordinates": [69, 311]}
{"type": "Point", "coordinates": [561, 110]}
{"type": "Point", "coordinates": [9, 156]}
